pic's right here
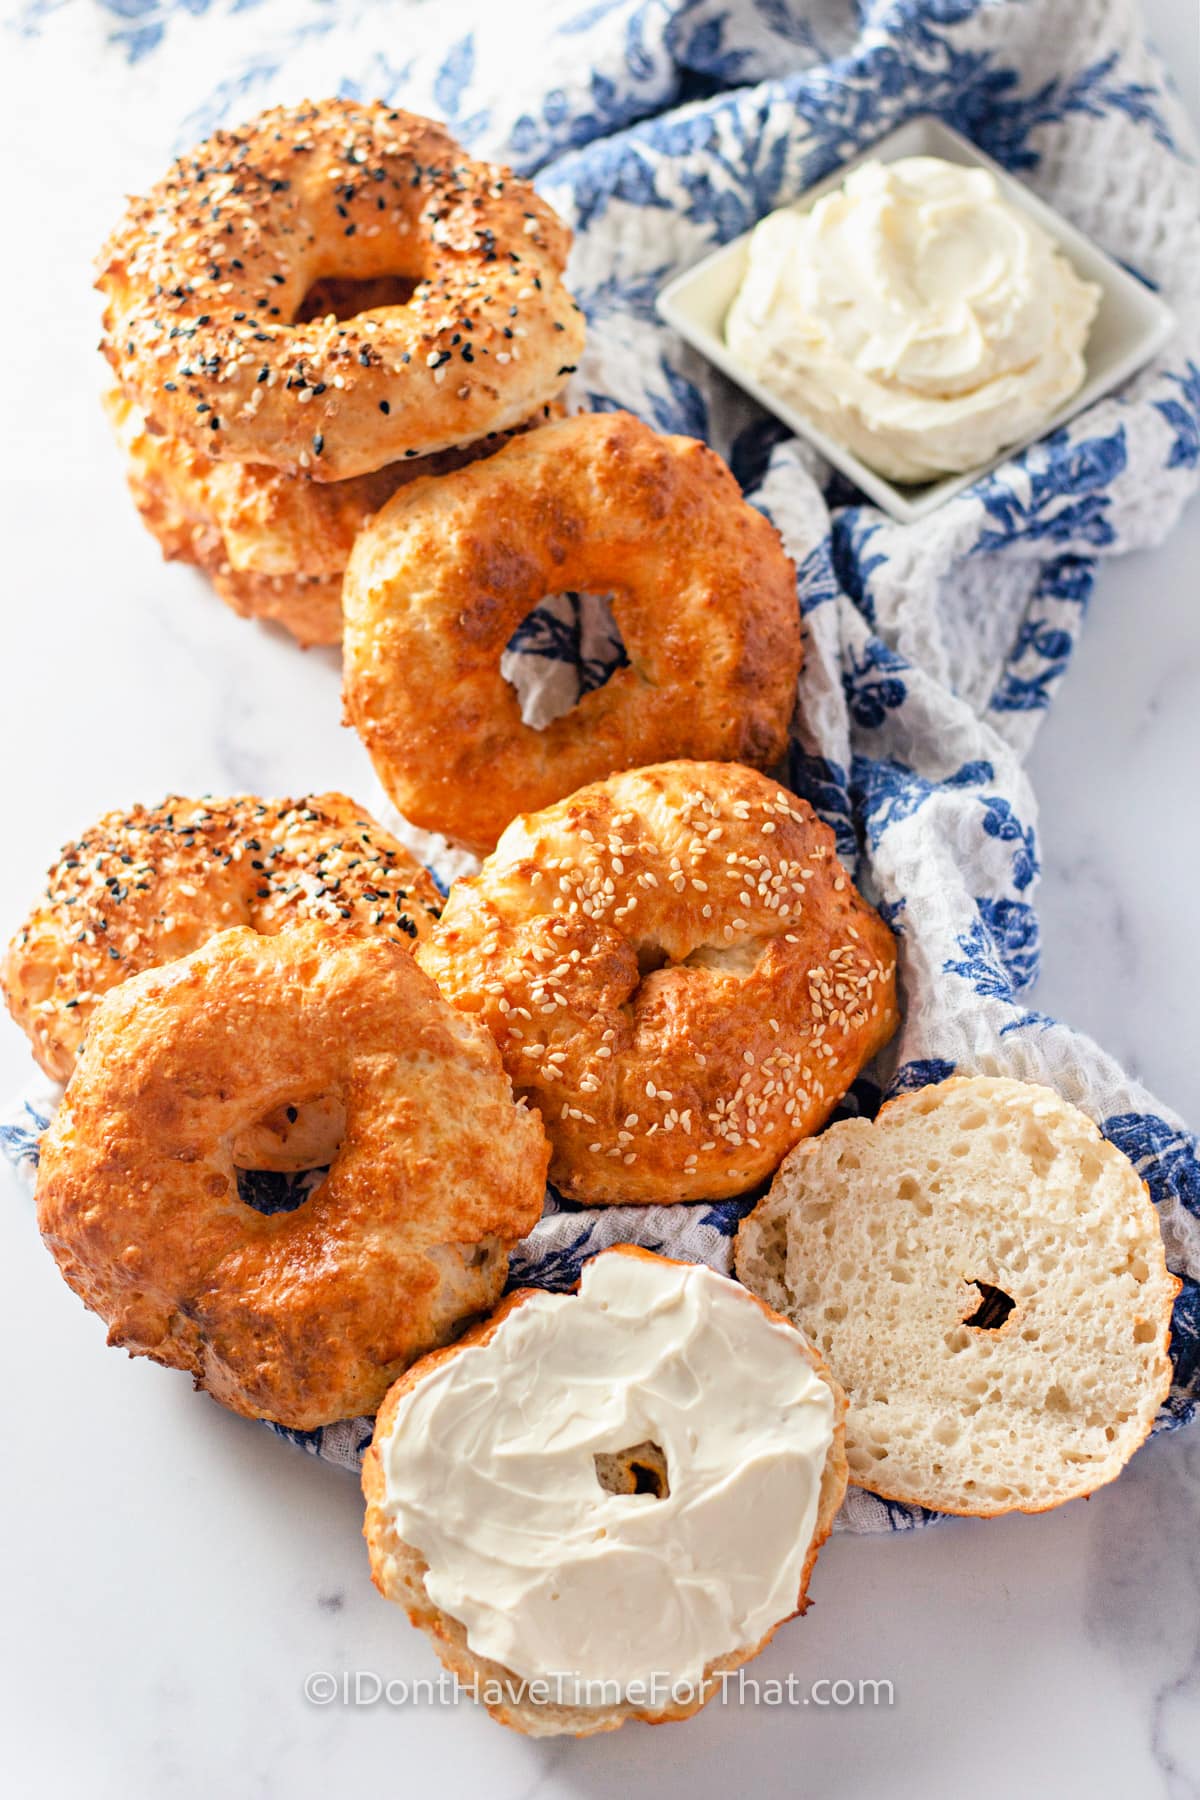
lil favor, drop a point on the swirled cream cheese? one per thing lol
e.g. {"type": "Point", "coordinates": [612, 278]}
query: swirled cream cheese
{"type": "Point", "coordinates": [915, 315]}
{"type": "Point", "coordinates": [491, 1474]}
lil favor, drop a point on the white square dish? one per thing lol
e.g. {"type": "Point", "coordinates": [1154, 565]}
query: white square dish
{"type": "Point", "coordinates": [1132, 323]}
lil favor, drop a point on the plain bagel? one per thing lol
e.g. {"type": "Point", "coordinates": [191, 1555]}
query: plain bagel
{"type": "Point", "coordinates": [307, 1315]}
{"type": "Point", "coordinates": [274, 543]}
{"type": "Point", "coordinates": [701, 587]}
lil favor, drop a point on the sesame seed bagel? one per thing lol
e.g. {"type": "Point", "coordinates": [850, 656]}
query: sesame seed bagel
{"type": "Point", "coordinates": [701, 587]}
{"type": "Point", "coordinates": [985, 1276]}
{"type": "Point", "coordinates": [144, 886]}
{"type": "Point", "coordinates": [679, 974]}
{"type": "Point", "coordinates": [274, 544]}
{"type": "Point", "coordinates": [504, 1474]}
{"type": "Point", "coordinates": [308, 1315]}
{"type": "Point", "coordinates": [206, 280]}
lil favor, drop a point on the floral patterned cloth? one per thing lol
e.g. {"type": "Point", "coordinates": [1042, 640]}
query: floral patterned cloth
{"type": "Point", "coordinates": [661, 128]}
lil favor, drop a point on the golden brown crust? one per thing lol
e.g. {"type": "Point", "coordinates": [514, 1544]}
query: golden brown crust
{"type": "Point", "coordinates": [305, 1316]}
{"type": "Point", "coordinates": [144, 886]}
{"type": "Point", "coordinates": [398, 1570]}
{"type": "Point", "coordinates": [701, 587]}
{"type": "Point", "coordinates": [679, 974]}
{"type": "Point", "coordinates": [274, 544]}
{"type": "Point", "coordinates": [309, 607]}
{"type": "Point", "coordinates": [206, 278]}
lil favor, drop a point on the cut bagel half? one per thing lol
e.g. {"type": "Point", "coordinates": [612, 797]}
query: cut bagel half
{"type": "Point", "coordinates": [985, 1277]}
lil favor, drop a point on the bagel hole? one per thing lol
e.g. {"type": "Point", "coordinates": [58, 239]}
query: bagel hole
{"type": "Point", "coordinates": [650, 957]}
{"type": "Point", "coordinates": [641, 1469]}
{"type": "Point", "coordinates": [282, 1158]}
{"type": "Point", "coordinates": [567, 646]}
{"type": "Point", "coordinates": [993, 1309]}
{"type": "Point", "coordinates": [345, 296]}
{"type": "Point", "coordinates": [739, 958]}
{"type": "Point", "coordinates": [276, 1191]}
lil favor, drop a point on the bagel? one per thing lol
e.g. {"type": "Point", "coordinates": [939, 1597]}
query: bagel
{"type": "Point", "coordinates": [679, 974]}
{"type": "Point", "coordinates": [274, 545]}
{"type": "Point", "coordinates": [985, 1276]}
{"type": "Point", "coordinates": [309, 607]}
{"type": "Point", "coordinates": [206, 278]}
{"type": "Point", "coordinates": [144, 886]}
{"type": "Point", "coordinates": [599, 1503]}
{"type": "Point", "coordinates": [308, 1315]}
{"type": "Point", "coordinates": [702, 589]}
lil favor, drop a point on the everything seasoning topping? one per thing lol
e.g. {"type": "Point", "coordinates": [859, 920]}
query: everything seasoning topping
{"type": "Point", "coordinates": [206, 279]}
{"type": "Point", "coordinates": [152, 884]}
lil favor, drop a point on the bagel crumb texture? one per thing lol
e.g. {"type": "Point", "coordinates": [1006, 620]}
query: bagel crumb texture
{"type": "Point", "coordinates": [985, 1276]}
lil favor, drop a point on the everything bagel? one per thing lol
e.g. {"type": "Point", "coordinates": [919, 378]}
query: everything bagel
{"type": "Point", "coordinates": [144, 886]}
{"type": "Point", "coordinates": [679, 974]}
{"type": "Point", "coordinates": [205, 280]}
{"type": "Point", "coordinates": [701, 587]}
{"type": "Point", "coordinates": [303, 1316]}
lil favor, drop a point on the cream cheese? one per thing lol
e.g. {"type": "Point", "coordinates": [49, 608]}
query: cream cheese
{"type": "Point", "coordinates": [915, 315]}
{"type": "Point", "coordinates": [490, 1473]}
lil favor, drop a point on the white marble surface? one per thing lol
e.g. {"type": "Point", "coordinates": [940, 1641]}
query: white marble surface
{"type": "Point", "coordinates": [173, 1573]}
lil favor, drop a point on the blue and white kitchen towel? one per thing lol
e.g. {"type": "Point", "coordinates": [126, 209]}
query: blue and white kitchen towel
{"type": "Point", "coordinates": [659, 129]}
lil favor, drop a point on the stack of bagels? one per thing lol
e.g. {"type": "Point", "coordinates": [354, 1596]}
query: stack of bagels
{"type": "Point", "coordinates": [339, 348]}
{"type": "Point", "coordinates": [303, 315]}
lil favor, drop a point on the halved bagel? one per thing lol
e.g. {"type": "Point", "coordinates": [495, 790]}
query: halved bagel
{"type": "Point", "coordinates": [985, 1276]}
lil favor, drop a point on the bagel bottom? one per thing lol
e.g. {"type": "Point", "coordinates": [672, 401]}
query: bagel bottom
{"type": "Point", "coordinates": [571, 1579]}
{"type": "Point", "coordinates": [275, 546]}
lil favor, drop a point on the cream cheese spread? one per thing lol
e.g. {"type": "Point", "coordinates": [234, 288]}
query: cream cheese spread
{"type": "Point", "coordinates": [491, 1474]}
{"type": "Point", "coordinates": [915, 315]}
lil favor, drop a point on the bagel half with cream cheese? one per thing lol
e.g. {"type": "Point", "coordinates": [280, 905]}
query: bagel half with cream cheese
{"type": "Point", "coordinates": [598, 1503]}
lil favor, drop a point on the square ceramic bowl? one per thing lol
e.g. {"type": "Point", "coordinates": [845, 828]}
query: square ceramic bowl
{"type": "Point", "coordinates": [1132, 324]}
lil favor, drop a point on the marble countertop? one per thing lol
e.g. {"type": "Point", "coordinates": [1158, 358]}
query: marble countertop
{"type": "Point", "coordinates": [174, 1573]}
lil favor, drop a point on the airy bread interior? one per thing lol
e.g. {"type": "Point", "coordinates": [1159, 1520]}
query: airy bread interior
{"type": "Point", "coordinates": [985, 1277]}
